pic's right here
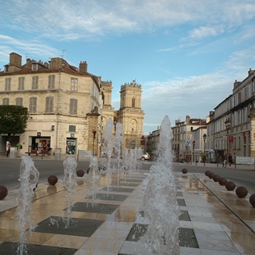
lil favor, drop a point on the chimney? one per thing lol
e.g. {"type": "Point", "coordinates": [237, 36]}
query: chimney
{"type": "Point", "coordinates": [250, 72]}
{"type": "Point", "coordinates": [15, 59]}
{"type": "Point", "coordinates": [83, 67]}
{"type": "Point", "coordinates": [15, 62]}
{"type": "Point", "coordinates": [56, 63]}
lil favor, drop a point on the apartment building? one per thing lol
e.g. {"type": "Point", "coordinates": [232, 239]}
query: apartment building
{"type": "Point", "coordinates": [68, 106]}
{"type": "Point", "coordinates": [232, 127]}
{"type": "Point", "coordinates": [63, 101]}
{"type": "Point", "coordinates": [185, 142]}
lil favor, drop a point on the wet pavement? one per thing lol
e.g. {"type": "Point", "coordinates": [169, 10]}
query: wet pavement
{"type": "Point", "coordinates": [213, 220]}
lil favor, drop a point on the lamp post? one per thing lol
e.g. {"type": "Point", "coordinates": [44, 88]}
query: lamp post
{"type": "Point", "coordinates": [193, 144]}
{"type": "Point", "coordinates": [204, 136]}
{"type": "Point", "coordinates": [228, 126]}
{"type": "Point", "coordinates": [94, 136]}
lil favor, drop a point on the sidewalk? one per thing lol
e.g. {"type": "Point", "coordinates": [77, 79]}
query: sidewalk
{"type": "Point", "coordinates": [233, 166]}
{"type": "Point", "coordinates": [213, 221]}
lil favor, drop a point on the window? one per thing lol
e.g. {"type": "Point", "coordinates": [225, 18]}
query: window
{"type": "Point", "coordinates": [19, 101]}
{"type": "Point", "coordinates": [32, 104]}
{"type": "Point", "coordinates": [51, 82]}
{"type": "Point", "coordinates": [21, 83]}
{"type": "Point", "coordinates": [133, 102]}
{"type": "Point", "coordinates": [73, 106]}
{"type": "Point", "coordinates": [35, 82]}
{"type": "Point", "coordinates": [74, 84]}
{"type": "Point", "coordinates": [239, 98]}
{"type": "Point", "coordinates": [7, 84]}
{"type": "Point", "coordinates": [49, 104]}
{"type": "Point", "coordinates": [5, 101]}
{"type": "Point", "coordinates": [34, 66]}
{"type": "Point", "coordinates": [72, 128]}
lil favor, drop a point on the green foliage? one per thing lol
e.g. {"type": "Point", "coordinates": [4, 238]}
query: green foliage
{"type": "Point", "coordinates": [13, 119]}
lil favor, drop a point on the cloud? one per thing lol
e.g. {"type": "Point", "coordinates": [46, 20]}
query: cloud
{"type": "Point", "coordinates": [32, 49]}
{"type": "Point", "coordinates": [89, 19]}
{"type": "Point", "coordinates": [203, 31]}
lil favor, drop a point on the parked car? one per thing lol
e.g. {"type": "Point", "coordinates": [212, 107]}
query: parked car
{"type": "Point", "coordinates": [145, 156]}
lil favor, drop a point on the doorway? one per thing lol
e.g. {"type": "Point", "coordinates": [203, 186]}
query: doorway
{"type": "Point", "coordinates": [71, 146]}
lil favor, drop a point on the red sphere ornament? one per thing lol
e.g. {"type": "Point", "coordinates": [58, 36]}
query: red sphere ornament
{"type": "Point", "coordinates": [211, 175]}
{"type": "Point", "coordinates": [223, 181]}
{"type": "Point", "coordinates": [216, 178]}
{"type": "Point", "coordinates": [207, 172]}
{"type": "Point", "coordinates": [230, 186]}
{"type": "Point", "coordinates": [3, 192]}
{"type": "Point", "coordinates": [252, 200]}
{"type": "Point", "coordinates": [80, 173]}
{"type": "Point", "coordinates": [52, 180]}
{"type": "Point", "coordinates": [241, 192]}
{"type": "Point", "coordinates": [184, 170]}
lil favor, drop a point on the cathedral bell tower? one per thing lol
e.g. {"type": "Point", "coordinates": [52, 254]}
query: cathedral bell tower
{"type": "Point", "coordinates": [131, 114]}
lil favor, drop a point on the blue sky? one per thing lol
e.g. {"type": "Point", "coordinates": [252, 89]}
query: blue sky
{"type": "Point", "coordinates": [185, 54]}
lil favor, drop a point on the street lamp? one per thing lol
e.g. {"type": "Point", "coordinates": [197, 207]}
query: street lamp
{"type": "Point", "coordinates": [193, 144]}
{"type": "Point", "coordinates": [228, 126]}
{"type": "Point", "coordinates": [204, 136]}
{"type": "Point", "coordinates": [94, 136]}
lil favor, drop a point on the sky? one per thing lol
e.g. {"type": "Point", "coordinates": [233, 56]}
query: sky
{"type": "Point", "coordinates": [185, 54]}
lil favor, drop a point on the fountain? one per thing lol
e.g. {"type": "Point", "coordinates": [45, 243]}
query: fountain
{"type": "Point", "coordinates": [108, 145]}
{"type": "Point", "coordinates": [95, 176]}
{"type": "Point", "coordinates": [29, 177]}
{"type": "Point", "coordinates": [69, 183]}
{"type": "Point", "coordinates": [118, 146]}
{"type": "Point", "coordinates": [160, 207]}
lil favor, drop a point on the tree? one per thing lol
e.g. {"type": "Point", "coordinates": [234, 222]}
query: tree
{"type": "Point", "coordinates": [13, 120]}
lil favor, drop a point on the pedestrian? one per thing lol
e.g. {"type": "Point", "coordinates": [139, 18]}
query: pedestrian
{"type": "Point", "coordinates": [19, 147]}
{"type": "Point", "coordinates": [224, 163]}
{"type": "Point", "coordinates": [230, 160]}
{"type": "Point", "coordinates": [8, 149]}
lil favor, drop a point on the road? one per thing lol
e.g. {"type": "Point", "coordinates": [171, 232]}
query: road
{"type": "Point", "coordinates": [9, 171]}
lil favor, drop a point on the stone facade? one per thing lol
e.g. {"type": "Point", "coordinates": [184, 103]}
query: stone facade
{"type": "Point", "coordinates": [68, 107]}
{"type": "Point", "coordinates": [60, 99]}
{"type": "Point", "coordinates": [131, 115]}
{"type": "Point", "coordinates": [186, 139]}
{"type": "Point", "coordinates": [232, 127]}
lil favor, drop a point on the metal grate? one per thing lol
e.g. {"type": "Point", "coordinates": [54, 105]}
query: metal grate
{"type": "Point", "coordinates": [112, 197]}
{"type": "Point", "coordinates": [184, 216]}
{"type": "Point", "coordinates": [94, 208]}
{"type": "Point", "coordinates": [8, 248]}
{"type": "Point", "coordinates": [136, 232]}
{"type": "Point", "coordinates": [77, 227]}
{"type": "Point", "coordinates": [117, 189]}
{"type": "Point", "coordinates": [181, 202]}
{"type": "Point", "coordinates": [187, 236]}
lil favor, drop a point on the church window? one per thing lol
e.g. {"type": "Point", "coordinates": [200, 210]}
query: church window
{"type": "Point", "coordinates": [133, 102]}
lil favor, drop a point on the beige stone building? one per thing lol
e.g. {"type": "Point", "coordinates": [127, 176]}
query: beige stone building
{"type": "Point", "coordinates": [232, 127]}
{"type": "Point", "coordinates": [67, 105]}
{"type": "Point", "coordinates": [186, 142]}
{"type": "Point", "coordinates": [130, 113]}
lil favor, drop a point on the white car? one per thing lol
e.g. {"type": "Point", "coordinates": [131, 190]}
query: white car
{"type": "Point", "coordinates": [145, 156]}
